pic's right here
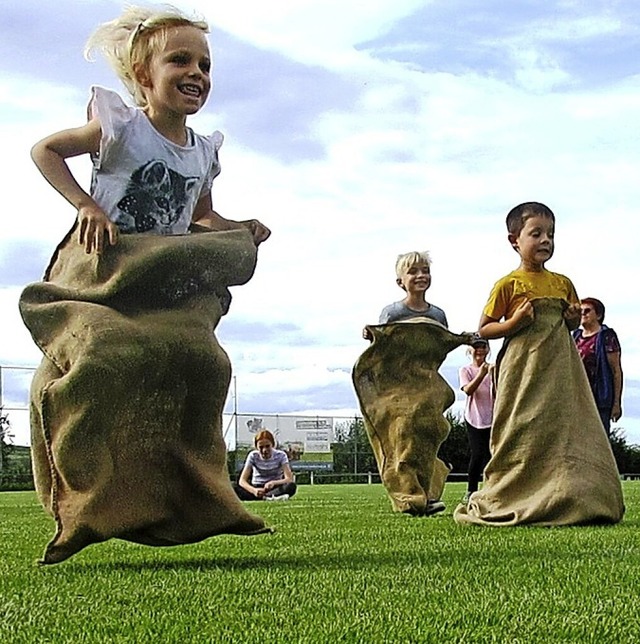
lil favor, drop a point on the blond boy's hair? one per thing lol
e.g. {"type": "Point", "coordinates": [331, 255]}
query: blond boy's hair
{"type": "Point", "coordinates": [134, 37]}
{"type": "Point", "coordinates": [407, 260]}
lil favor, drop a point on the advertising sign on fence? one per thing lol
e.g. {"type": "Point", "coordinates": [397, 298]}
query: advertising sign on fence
{"type": "Point", "coordinates": [306, 439]}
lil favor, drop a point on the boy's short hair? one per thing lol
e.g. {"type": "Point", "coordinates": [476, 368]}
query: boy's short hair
{"type": "Point", "coordinates": [407, 260]}
{"type": "Point", "coordinates": [518, 216]}
{"type": "Point", "coordinates": [597, 305]}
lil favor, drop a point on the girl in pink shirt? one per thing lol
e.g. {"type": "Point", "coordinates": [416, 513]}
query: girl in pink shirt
{"type": "Point", "coordinates": [475, 381]}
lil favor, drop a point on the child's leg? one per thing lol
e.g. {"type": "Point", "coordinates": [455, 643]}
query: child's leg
{"type": "Point", "coordinates": [242, 494]}
{"type": "Point", "coordinates": [479, 447]}
{"type": "Point", "coordinates": [287, 488]}
{"type": "Point", "coordinates": [486, 446]}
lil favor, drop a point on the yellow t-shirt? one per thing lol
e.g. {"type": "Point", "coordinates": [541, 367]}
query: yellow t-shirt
{"type": "Point", "coordinates": [512, 289]}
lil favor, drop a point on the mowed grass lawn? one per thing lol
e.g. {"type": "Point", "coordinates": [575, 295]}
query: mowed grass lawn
{"type": "Point", "coordinates": [340, 568]}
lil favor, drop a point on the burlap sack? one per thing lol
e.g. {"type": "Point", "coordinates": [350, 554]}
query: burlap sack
{"type": "Point", "coordinates": [126, 407]}
{"type": "Point", "coordinates": [402, 398]}
{"type": "Point", "coordinates": [551, 462]}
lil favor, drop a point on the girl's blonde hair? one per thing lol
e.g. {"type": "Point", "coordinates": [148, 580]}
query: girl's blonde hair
{"type": "Point", "coordinates": [134, 37]}
{"type": "Point", "coordinates": [407, 260]}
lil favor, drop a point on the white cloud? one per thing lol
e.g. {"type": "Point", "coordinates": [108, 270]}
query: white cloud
{"type": "Point", "coordinates": [538, 72]}
{"type": "Point", "coordinates": [18, 347]}
{"type": "Point", "coordinates": [579, 28]}
{"type": "Point", "coordinates": [306, 30]}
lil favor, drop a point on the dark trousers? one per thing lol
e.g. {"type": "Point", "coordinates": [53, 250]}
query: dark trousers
{"type": "Point", "coordinates": [279, 490]}
{"type": "Point", "coordinates": [479, 446]}
{"type": "Point", "coordinates": [605, 417]}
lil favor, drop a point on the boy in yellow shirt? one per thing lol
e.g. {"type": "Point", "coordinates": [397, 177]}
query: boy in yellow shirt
{"type": "Point", "coordinates": [531, 229]}
{"type": "Point", "coordinates": [551, 463]}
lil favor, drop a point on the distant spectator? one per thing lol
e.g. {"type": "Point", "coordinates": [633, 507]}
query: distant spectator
{"type": "Point", "coordinates": [600, 351]}
{"type": "Point", "coordinates": [266, 475]}
{"type": "Point", "coordinates": [475, 381]}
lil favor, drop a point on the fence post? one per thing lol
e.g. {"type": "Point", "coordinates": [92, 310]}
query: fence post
{"type": "Point", "coordinates": [369, 478]}
{"type": "Point", "coordinates": [311, 477]}
{"type": "Point", "coordinates": [355, 449]}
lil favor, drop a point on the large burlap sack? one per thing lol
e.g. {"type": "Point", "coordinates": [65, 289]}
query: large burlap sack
{"type": "Point", "coordinates": [551, 462]}
{"type": "Point", "coordinates": [403, 398]}
{"type": "Point", "coordinates": [126, 407]}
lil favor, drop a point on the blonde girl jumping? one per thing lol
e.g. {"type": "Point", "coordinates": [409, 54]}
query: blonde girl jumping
{"type": "Point", "coordinates": [151, 172]}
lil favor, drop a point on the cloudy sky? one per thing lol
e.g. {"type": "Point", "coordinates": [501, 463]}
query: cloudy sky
{"type": "Point", "coordinates": [358, 131]}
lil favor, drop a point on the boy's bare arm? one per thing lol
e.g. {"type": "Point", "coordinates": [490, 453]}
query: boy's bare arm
{"type": "Point", "coordinates": [50, 156]}
{"type": "Point", "coordinates": [491, 328]}
{"type": "Point", "coordinates": [205, 215]}
{"type": "Point", "coordinates": [572, 316]}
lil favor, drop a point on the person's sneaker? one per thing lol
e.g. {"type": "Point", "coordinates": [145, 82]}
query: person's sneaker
{"type": "Point", "coordinates": [282, 497]}
{"type": "Point", "coordinates": [433, 507]}
{"type": "Point", "coordinates": [465, 498]}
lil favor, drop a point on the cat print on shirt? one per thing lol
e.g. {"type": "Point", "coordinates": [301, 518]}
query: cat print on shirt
{"type": "Point", "coordinates": [155, 199]}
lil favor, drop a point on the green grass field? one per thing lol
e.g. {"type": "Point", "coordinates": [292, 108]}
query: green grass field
{"type": "Point", "coordinates": [340, 568]}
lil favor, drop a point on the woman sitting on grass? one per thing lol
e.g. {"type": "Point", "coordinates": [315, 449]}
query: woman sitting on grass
{"type": "Point", "coordinates": [266, 475]}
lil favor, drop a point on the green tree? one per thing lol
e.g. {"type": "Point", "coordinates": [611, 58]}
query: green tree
{"type": "Point", "coordinates": [627, 456]}
{"type": "Point", "coordinates": [352, 451]}
{"type": "Point", "coordinates": [455, 449]}
{"type": "Point", "coordinates": [6, 439]}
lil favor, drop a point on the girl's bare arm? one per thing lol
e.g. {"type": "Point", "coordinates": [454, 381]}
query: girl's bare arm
{"type": "Point", "coordinates": [205, 215]}
{"type": "Point", "coordinates": [50, 156]}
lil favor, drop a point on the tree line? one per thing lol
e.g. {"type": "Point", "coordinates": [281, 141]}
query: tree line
{"type": "Point", "coordinates": [352, 452]}
{"type": "Point", "coordinates": [15, 461]}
